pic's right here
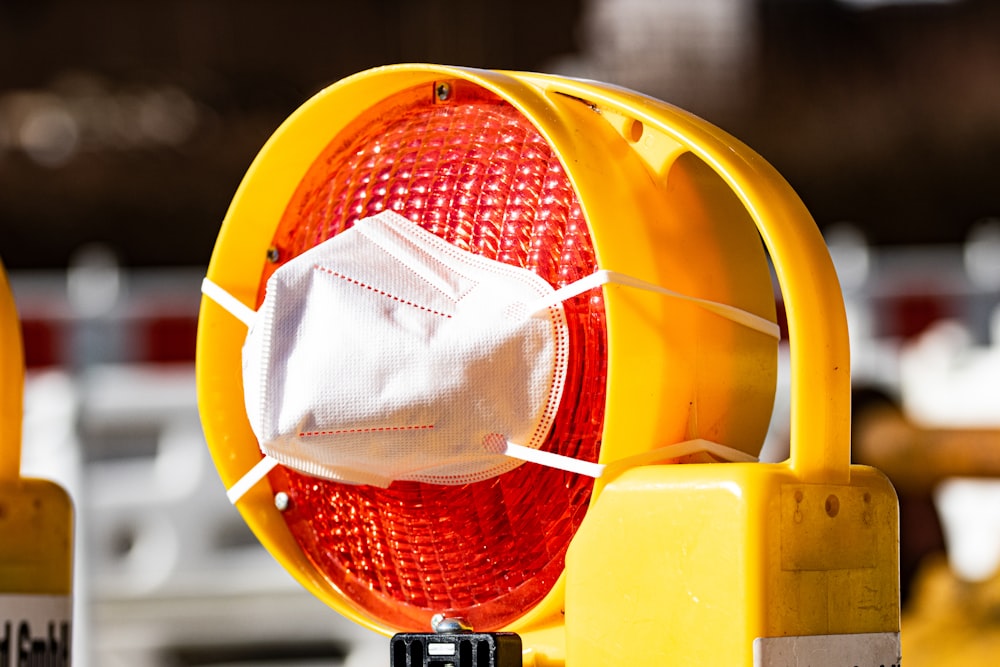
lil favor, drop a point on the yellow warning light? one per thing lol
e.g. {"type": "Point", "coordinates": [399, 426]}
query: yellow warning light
{"type": "Point", "coordinates": [740, 563]}
{"type": "Point", "coordinates": [36, 527]}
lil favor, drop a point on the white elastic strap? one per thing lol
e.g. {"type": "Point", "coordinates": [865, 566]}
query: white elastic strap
{"type": "Point", "coordinates": [548, 459]}
{"type": "Point", "coordinates": [234, 306]}
{"type": "Point", "coordinates": [250, 479]}
{"type": "Point", "coordinates": [552, 460]}
{"type": "Point", "coordinates": [604, 277]}
{"type": "Point", "coordinates": [676, 450]}
{"type": "Point", "coordinates": [679, 449]}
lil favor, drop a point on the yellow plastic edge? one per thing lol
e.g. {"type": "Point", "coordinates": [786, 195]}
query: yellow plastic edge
{"type": "Point", "coordinates": [11, 383]}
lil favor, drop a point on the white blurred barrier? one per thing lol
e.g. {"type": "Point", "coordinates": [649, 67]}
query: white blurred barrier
{"type": "Point", "coordinates": [168, 573]}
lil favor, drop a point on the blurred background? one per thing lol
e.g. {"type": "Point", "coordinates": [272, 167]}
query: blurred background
{"type": "Point", "coordinates": [125, 128]}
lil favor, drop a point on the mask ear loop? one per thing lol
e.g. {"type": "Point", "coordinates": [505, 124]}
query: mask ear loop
{"type": "Point", "coordinates": [251, 478]}
{"type": "Point", "coordinates": [605, 277]}
{"type": "Point", "coordinates": [500, 445]}
{"type": "Point", "coordinates": [230, 303]}
{"type": "Point", "coordinates": [247, 316]}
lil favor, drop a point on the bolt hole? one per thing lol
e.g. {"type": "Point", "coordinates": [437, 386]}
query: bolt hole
{"type": "Point", "coordinates": [635, 131]}
{"type": "Point", "coordinates": [832, 506]}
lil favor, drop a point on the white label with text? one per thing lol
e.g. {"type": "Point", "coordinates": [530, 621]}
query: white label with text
{"type": "Point", "coordinates": [35, 630]}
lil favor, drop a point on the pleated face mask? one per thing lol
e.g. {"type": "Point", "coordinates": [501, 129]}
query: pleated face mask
{"type": "Point", "coordinates": [386, 353]}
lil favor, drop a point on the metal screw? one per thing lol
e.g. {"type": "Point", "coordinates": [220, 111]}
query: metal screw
{"type": "Point", "coordinates": [282, 501]}
{"type": "Point", "coordinates": [442, 91]}
{"type": "Point", "coordinates": [441, 624]}
{"type": "Point", "coordinates": [273, 255]}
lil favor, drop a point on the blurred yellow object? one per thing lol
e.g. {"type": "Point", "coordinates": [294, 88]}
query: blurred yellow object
{"type": "Point", "coordinates": [36, 527]}
{"type": "Point", "coordinates": [949, 622]}
{"type": "Point", "coordinates": [691, 564]}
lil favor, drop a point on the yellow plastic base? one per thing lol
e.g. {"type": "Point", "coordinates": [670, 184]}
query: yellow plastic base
{"type": "Point", "coordinates": [36, 538]}
{"type": "Point", "coordinates": [689, 564]}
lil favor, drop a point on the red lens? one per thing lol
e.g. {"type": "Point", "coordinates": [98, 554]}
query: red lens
{"type": "Point", "coordinates": [474, 171]}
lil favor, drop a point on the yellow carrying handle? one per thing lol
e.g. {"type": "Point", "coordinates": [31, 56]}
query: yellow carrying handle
{"type": "Point", "coordinates": [11, 383]}
{"type": "Point", "coordinates": [814, 305]}
{"type": "Point", "coordinates": [817, 322]}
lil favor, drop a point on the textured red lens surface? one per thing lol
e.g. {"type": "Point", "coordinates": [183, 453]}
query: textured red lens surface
{"type": "Point", "coordinates": [474, 171]}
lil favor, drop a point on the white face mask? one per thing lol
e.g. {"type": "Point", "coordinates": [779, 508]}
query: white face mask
{"type": "Point", "coordinates": [386, 353]}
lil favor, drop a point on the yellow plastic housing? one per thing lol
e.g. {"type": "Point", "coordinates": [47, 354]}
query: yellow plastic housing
{"type": "Point", "coordinates": [689, 565]}
{"type": "Point", "coordinates": [672, 200]}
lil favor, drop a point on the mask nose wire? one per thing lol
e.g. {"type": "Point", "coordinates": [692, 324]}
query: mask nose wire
{"type": "Point", "coordinates": [605, 276]}
{"type": "Point", "coordinates": [230, 303]}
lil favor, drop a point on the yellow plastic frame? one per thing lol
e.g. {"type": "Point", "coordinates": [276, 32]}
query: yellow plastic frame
{"type": "Point", "coordinates": [670, 199]}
